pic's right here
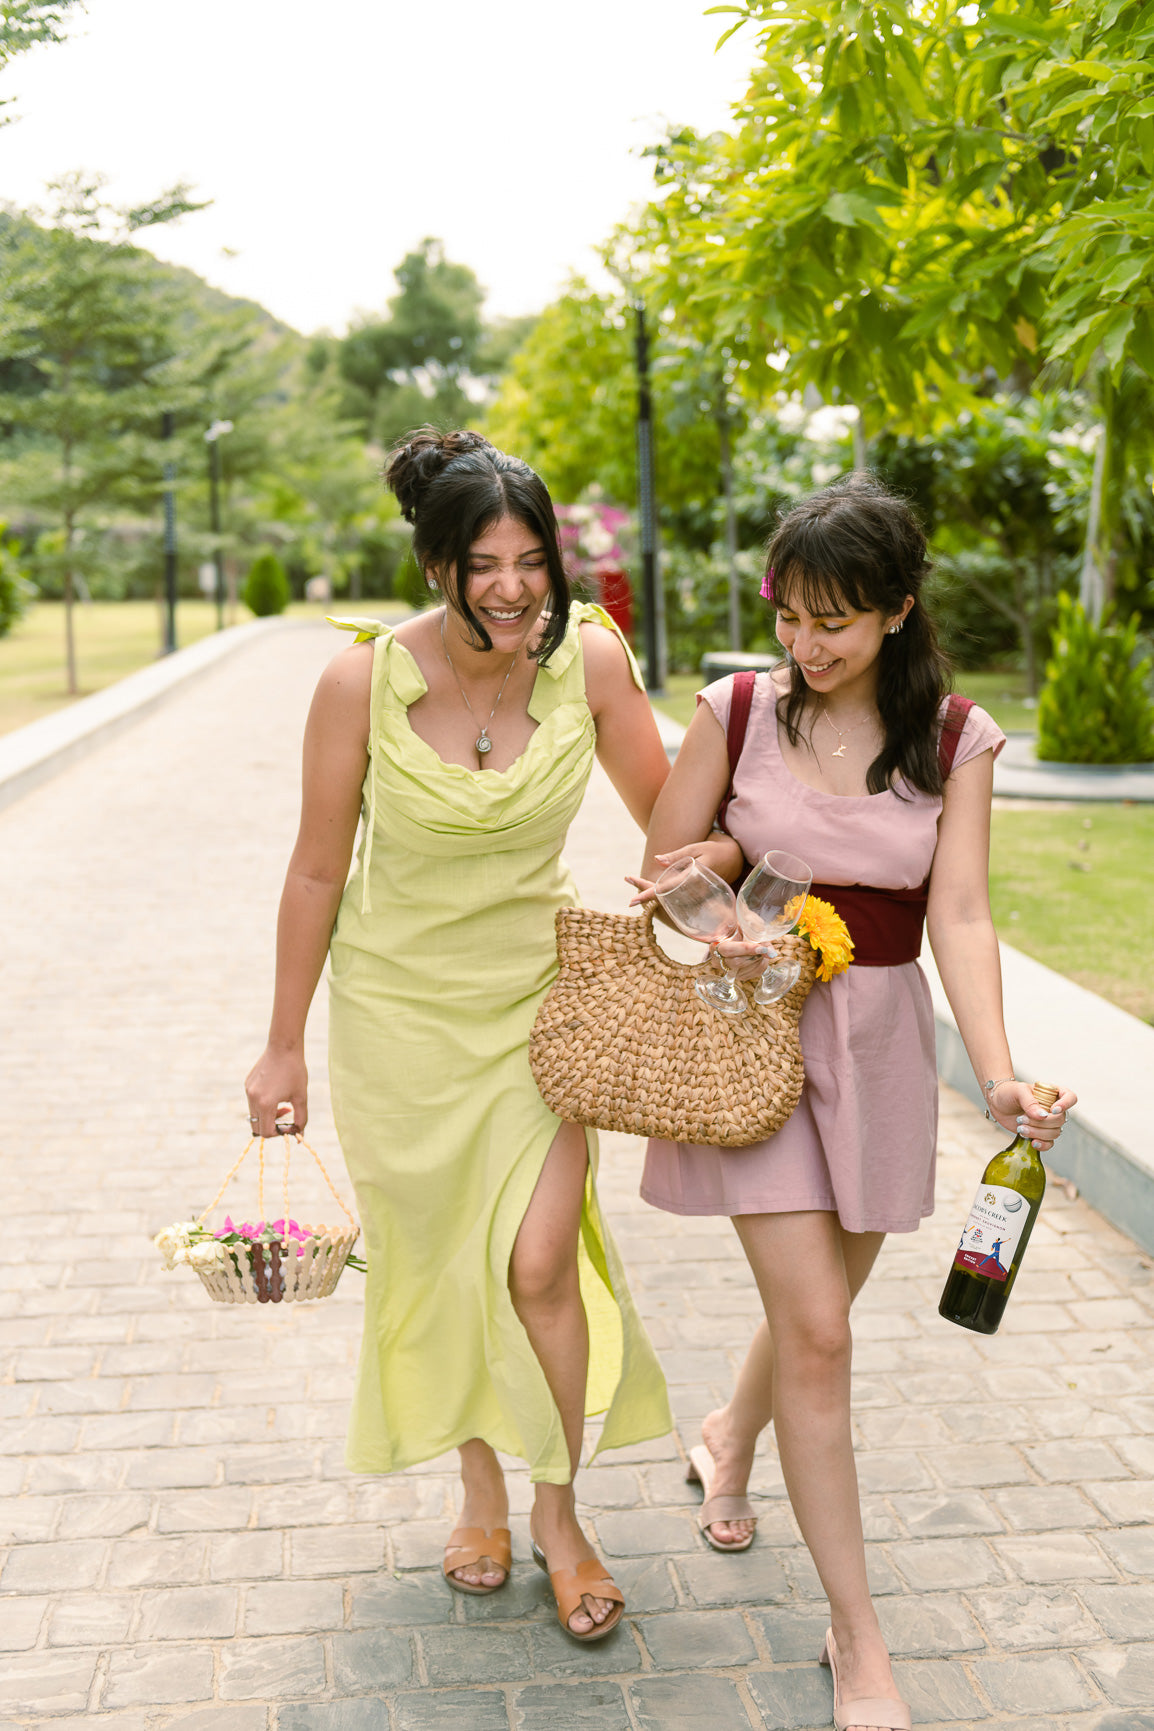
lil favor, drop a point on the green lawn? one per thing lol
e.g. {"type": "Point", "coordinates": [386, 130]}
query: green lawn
{"type": "Point", "coordinates": [1073, 889]}
{"type": "Point", "coordinates": [112, 638]}
{"type": "Point", "coordinates": [1003, 694]}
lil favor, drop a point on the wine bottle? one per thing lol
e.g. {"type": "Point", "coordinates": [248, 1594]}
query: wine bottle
{"type": "Point", "coordinates": [997, 1232]}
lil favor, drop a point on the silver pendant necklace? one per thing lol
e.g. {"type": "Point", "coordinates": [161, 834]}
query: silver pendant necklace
{"type": "Point", "coordinates": [482, 745]}
{"type": "Point", "coordinates": [843, 733]}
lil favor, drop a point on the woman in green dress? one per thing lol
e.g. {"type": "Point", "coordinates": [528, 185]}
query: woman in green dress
{"type": "Point", "coordinates": [497, 1314]}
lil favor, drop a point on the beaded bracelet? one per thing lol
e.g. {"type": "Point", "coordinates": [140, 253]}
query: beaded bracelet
{"type": "Point", "coordinates": [988, 1089]}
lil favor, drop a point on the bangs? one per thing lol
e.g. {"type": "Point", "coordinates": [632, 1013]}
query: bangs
{"type": "Point", "coordinates": [819, 590]}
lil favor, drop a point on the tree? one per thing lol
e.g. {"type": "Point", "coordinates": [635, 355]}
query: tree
{"type": "Point", "coordinates": [97, 328]}
{"type": "Point", "coordinates": [24, 23]}
{"type": "Point", "coordinates": [414, 366]}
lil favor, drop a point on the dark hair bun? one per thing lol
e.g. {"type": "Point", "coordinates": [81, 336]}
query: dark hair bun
{"type": "Point", "coordinates": [412, 466]}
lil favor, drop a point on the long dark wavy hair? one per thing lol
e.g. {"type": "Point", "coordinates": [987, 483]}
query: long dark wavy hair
{"type": "Point", "coordinates": [452, 487]}
{"type": "Point", "coordinates": [857, 547]}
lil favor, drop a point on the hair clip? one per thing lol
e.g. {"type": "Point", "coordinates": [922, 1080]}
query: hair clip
{"type": "Point", "coordinates": [767, 586]}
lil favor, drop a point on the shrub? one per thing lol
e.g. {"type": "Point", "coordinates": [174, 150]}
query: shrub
{"type": "Point", "coordinates": [266, 588]}
{"type": "Point", "coordinates": [15, 589]}
{"type": "Point", "coordinates": [1094, 706]}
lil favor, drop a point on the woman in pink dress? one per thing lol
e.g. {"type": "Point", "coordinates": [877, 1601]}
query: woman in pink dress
{"type": "Point", "coordinates": [854, 758]}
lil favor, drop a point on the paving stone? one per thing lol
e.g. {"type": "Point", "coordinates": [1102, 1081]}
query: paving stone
{"type": "Point", "coordinates": [892, 1470]}
{"type": "Point", "coordinates": [1045, 1508]}
{"type": "Point", "coordinates": [390, 1601]}
{"type": "Point", "coordinates": [369, 1660]}
{"type": "Point", "coordinates": [1049, 1683]}
{"type": "Point", "coordinates": [1132, 1551]}
{"type": "Point", "coordinates": [1032, 1617]}
{"type": "Point", "coordinates": [188, 1614]}
{"type": "Point", "coordinates": [686, 1640]}
{"type": "Point", "coordinates": [147, 1562]}
{"type": "Point", "coordinates": [90, 1619]}
{"type": "Point", "coordinates": [367, 1715]}
{"type": "Point", "coordinates": [945, 1515]}
{"type": "Point", "coordinates": [645, 1533]}
{"type": "Point", "coordinates": [20, 1622]}
{"type": "Point", "coordinates": [591, 1706]}
{"type": "Point", "coordinates": [689, 1703]}
{"type": "Point", "coordinates": [792, 1698]}
{"type": "Point", "coordinates": [36, 1568]}
{"type": "Point", "coordinates": [203, 1511]}
{"type": "Point", "coordinates": [336, 1550]}
{"type": "Point", "coordinates": [214, 1719]}
{"type": "Point", "coordinates": [941, 1693]}
{"type": "Point", "coordinates": [271, 1670]}
{"type": "Point", "coordinates": [1126, 1613]}
{"type": "Point", "coordinates": [946, 1563]}
{"type": "Point", "coordinates": [930, 1625]}
{"type": "Point", "coordinates": [95, 1395]}
{"type": "Point", "coordinates": [155, 1676]}
{"type": "Point", "coordinates": [1054, 1557]}
{"type": "Point", "coordinates": [444, 1710]}
{"type": "Point", "coordinates": [1128, 1504]}
{"type": "Point", "coordinates": [476, 1655]}
{"type": "Point", "coordinates": [172, 1469]}
{"type": "Point", "coordinates": [87, 1472]}
{"type": "Point", "coordinates": [984, 1464]}
{"type": "Point", "coordinates": [99, 1517]}
{"type": "Point", "coordinates": [554, 1654]}
{"type": "Point", "coordinates": [284, 1607]}
{"type": "Point", "coordinates": [24, 1520]}
{"type": "Point", "coordinates": [1076, 1459]}
{"type": "Point", "coordinates": [46, 1682]}
{"type": "Point", "coordinates": [245, 1556]}
{"type": "Point", "coordinates": [303, 1505]}
{"type": "Point", "coordinates": [753, 1577]}
{"type": "Point", "coordinates": [126, 1430]}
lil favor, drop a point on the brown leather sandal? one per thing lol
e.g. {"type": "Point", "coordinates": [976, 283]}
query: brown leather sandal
{"type": "Point", "coordinates": [571, 1587]}
{"type": "Point", "coordinates": [469, 1545]}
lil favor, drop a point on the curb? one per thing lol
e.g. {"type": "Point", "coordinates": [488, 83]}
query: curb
{"type": "Point", "coordinates": [32, 755]}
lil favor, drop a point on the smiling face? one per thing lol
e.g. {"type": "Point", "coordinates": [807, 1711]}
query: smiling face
{"type": "Point", "coordinates": [836, 650]}
{"type": "Point", "coordinates": [507, 584]}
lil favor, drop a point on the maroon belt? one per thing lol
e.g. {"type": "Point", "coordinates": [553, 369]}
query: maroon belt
{"type": "Point", "coordinates": [885, 925]}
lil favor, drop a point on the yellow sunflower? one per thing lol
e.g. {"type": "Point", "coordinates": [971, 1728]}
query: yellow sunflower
{"type": "Point", "coordinates": [828, 933]}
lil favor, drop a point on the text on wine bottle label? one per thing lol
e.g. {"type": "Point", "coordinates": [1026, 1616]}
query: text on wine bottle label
{"type": "Point", "coordinates": [990, 1237]}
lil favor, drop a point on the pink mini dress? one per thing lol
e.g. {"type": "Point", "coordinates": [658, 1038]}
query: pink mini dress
{"type": "Point", "coordinates": [862, 1140]}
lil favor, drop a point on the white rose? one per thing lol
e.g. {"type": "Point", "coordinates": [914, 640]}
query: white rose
{"type": "Point", "coordinates": [206, 1255]}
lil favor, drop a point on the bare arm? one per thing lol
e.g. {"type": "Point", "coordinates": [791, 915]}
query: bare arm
{"type": "Point", "coordinates": [335, 761]}
{"type": "Point", "coordinates": [965, 946]}
{"type": "Point", "coordinates": [686, 807]}
{"type": "Point", "coordinates": [629, 746]}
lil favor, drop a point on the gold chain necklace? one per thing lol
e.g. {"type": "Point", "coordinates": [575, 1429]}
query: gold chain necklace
{"type": "Point", "coordinates": [843, 733]}
{"type": "Point", "coordinates": [482, 745]}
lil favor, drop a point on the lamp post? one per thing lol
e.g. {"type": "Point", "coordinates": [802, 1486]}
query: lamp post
{"type": "Point", "coordinates": [168, 421]}
{"type": "Point", "coordinates": [647, 513]}
{"type": "Point", "coordinates": [212, 439]}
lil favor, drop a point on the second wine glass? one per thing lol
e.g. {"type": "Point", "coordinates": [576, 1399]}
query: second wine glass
{"type": "Point", "coordinates": [703, 906]}
{"type": "Point", "coordinates": [769, 905]}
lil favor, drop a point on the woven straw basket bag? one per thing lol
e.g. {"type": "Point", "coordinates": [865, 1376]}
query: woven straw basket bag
{"type": "Point", "coordinates": [623, 1042]}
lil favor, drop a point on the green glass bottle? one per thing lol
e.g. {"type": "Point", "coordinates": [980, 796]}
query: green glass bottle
{"type": "Point", "coordinates": [996, 1233]}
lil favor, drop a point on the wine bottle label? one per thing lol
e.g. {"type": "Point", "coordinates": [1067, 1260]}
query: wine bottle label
{"type": "Point", "coordinates": [990, 1238]}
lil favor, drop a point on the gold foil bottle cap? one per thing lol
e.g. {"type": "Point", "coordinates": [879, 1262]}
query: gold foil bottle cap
{"type": "Point", "coordinates": [1045, 1094]}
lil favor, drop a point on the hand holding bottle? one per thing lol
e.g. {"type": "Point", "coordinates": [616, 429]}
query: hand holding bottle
{"type": "Point", "coordinates": [1013, 1106]}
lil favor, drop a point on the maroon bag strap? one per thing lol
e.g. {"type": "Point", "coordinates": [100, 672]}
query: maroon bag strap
{"type": "Point", "coordinates": [740, 700]}
{"type": "Point", "coordinates": [957, 709]}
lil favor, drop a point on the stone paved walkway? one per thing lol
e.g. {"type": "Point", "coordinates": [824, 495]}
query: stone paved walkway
{"type": "Point", "coordinates": [180, 1545]}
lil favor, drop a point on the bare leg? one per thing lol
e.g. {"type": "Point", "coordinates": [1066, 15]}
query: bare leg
{"type": "Point", "coordinates": [486, 1506]}
{"type": "Point", "coordinates": [800, 1264]}
{"type": "Point", "coordinates": [731, 1432]}
{"type": "Point", "coordinates": [546, 1295]}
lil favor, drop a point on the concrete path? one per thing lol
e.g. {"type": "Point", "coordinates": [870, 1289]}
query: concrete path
{"type": "Point", "coordinates": [180, 1543]}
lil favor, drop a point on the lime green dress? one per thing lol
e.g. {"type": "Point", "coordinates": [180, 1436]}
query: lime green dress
{"type": "Point", "coordinates": [443, 949]}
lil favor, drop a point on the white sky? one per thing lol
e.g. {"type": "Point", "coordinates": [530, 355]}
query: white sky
{"type": "Point", "coordinates": [332, 138]}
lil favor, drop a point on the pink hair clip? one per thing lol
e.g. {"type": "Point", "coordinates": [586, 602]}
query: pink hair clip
{"type": "Point", "coordinates": [767, 586]}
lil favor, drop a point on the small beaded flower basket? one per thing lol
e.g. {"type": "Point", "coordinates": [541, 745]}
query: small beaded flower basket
{"type": "Point", "coordinates": [271, 1262]}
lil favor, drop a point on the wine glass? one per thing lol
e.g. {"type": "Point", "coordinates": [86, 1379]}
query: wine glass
{"type": "Point", "coordinates": [703, 906]}
{"type": "Point", "coordinates": [769, 905]}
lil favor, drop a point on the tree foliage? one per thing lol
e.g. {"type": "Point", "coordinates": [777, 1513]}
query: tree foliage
{"type": "Point", "coordinates": [1095, 706]}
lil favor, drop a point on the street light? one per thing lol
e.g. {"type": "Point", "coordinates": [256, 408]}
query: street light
{"type": "Point", "coordinates": [167, 424]}
{"type": "Point", "coordinates": [212, 439]}
{"type": "Point", "coordinates": [647, 512]}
